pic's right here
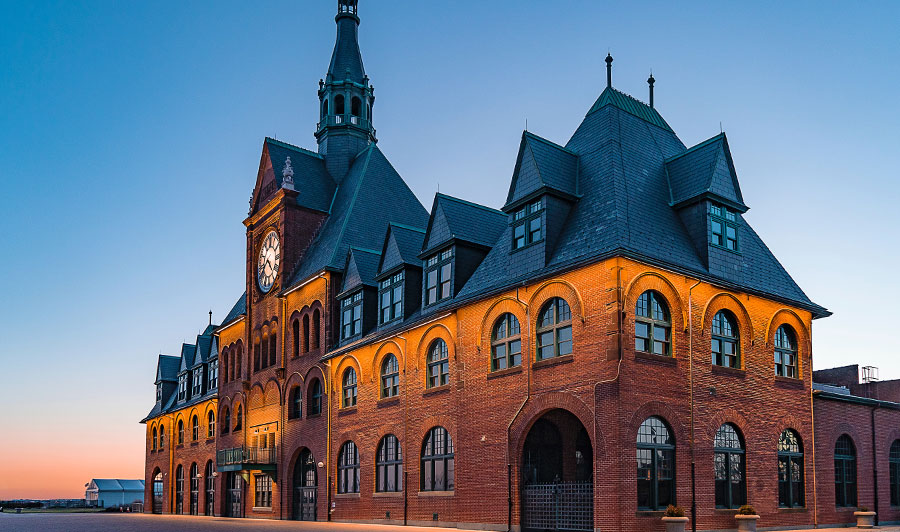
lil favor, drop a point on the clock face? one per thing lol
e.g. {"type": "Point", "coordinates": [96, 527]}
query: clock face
{"type": "Point", "coordinates": [269, 260]}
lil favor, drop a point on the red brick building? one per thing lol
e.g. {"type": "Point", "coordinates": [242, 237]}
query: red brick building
{"type": "Point", "coordinates": [613, 340]}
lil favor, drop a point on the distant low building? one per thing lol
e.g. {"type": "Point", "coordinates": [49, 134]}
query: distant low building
{"type": "Point", "coordinates": [113, 492]}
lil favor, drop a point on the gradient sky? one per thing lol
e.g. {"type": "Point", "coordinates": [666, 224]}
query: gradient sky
{"type": "Point", "coordinates": [130, 136]}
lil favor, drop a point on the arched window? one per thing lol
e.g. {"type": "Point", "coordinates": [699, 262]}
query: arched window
{"type": "Point", "coordinates": [355, 106]}
{"type": "Point", "coordinates": [295, 408]}
{"type": "Point", "coordinates": [389, 465]}
{"type": "Point", "coordinates": [655, 465]}
{"type": "Point", "coordinates": [210, 425]}
{"type": "Point", "coordinates": [786, 352]}
{"type": "Point", "coordinates": [179, 489]}
{"type": "Point", "coordinates": [390, 377]}
{"type": "Point", "coordinates": [273, 349]}
{"type": "Point", "coordinates": [314, 337]}
{"type": "Point", "coordinates": [195, 429]}
{"type": "Point", "coordinates": [225, 354]}
{"type": "Point", "coordinates": [652, 324]}
{"type": "Point", "coordinates": [180, 432]}
{"type": "Point", "coordinates": [554, 330]}
{"type": "Point", "coordinates": [195, 489]}
{"type": "Point", "coordinates": [295, 331]}
{"type": "Point", "coordinates": [894, 462]}
{"type": "Point", "coordinates": [438, 364]}
{"type": "Point", "coordinates": [438, 472]}
{"type": "Point", "coordinates": [162, 437]}
{"type": "Point", "coordinates": [726, 349]}
{"type": "Point", "coordinates": [348, 469]}
{"type": "Point", "coordinates": [790, 470]}
{"type": "Point", "coordinates": [256, 355]}
{"type": "Point", "coordinates": [209, 508]}
{"type": "Point", "coordinates": [506, 344]}
{"type": "Point", "coordinates": [153, 440]}
{"type": "Point", "coordinates": [339, 104]}
{"type": "Point", "coordinates": [239, 368]}
{"type": "Point", "coordinates": [238, 418]}
{"type": "Point", "coordinates": [264, 352]}
{"type": "Point", "coordinates": [349, 387]}
{"type": "Point", "coordinates": [314, 401]}
{"type": "Point", "coordinates": [226, 420]}
{"type": "Point", "coordinates": [731, 479]}
{"type": "Point", "coordinates": [844, 472]}
{"type": "Point", "coordinates": [157, 492]}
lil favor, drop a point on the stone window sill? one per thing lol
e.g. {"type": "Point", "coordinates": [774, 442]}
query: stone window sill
{"type": "Point", "coordinates": [548, 362]}
{"type": "Point", "coordinates": [656, 359]}
{"type": "Point", "coordinates": [799, 509]}
{"type": "Point", "coordinates": [504, 372]}
{"type": "Point", "coordinates": [262, 509]}
{"type": "Point", "coordinates": [387, 494]}
{"type": "Point", "coordinates": [346, 495]}
{"type": "Point", "coordinates": [436, 493]}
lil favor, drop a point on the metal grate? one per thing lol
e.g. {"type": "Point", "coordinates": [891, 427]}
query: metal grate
{"type": "Point", "coordinates": [559, 506]}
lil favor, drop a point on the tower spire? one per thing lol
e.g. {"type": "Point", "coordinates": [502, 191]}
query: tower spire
{"type": "Point", "coordinates": [609, 61]}
{"type": "Point", "coordinates": [345, 97]}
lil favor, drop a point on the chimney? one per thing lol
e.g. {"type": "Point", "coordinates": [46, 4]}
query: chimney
{"type": "Point", "coordinates": [651, 81]}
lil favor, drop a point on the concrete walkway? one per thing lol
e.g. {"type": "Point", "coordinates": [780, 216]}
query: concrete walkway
{"type": "Point", "coordinates": [115, 522]}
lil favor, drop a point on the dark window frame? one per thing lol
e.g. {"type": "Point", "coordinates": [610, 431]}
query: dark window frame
{"type": "Point", "coordinates": [179, 489]}
{"type": "Point", "coordinates": [438, 364]}
{"type": "Point", "coordinates": [195, 489]}
{"type": "Point", "coordinates": [389, 465]}
{"type": "Point", "coordinates": [262, 491]}
{"type": "Point", "coordinates": [210, 425]}
{"type": "Point", "coordinates": [441, 264]}
{"type": "Point", "coordinates": [213, 381]}
{"type": "Point", "coordinates": [348, 468]}
{"type": "Point", "coordinates": [726, 220]}
{"type": "Point", "coordinates": [195, 428]}
{"type": "Point", "coordinates": [523, 225]}
{"type": "Point", "coordinates": [506, 343]}
{"type": "Point", "coordinates": [894, 472]}
{"type": "Point", "coordinates": [730, 458]}
{"type": "Point", "coordinates": [786, 350]}
{"type": "Point", "coordinates": [651, 315]}
{"type": "Point", "coordinates": [351, 315]}
{"type": "Point", "coordinates": [791, 487]}
{"type": "Point", "coordinates": [295, 407]}
{"type": "Point", "coordinates": [314, 399]}
{"type": "Point", "coordinates": [392, 289]}
{"type": "Point", "coordinates": [845, 477]}
{"type": "Point", "coordinates": [349, 388]}
{"type": "Point", "coordinates": [390, 376]}
{"type": "Point", "coordinates": [656, 451]}
{"type": "Point", "coordinates": [556, 328]}
{"type": "Point", "coordinates": [437, 457]}
{"type": "Point", "coordinates": [720, 336]}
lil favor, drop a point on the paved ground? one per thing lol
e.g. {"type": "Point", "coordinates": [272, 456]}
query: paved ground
{"type": "Point", "coordinates": [181, 523]}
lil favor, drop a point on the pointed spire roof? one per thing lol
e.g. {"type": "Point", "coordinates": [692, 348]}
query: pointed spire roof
{"type": "Point", "coordinates": [346, 60]}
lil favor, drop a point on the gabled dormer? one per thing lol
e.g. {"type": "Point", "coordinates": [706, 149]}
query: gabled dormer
{"type": "Point", "coordinates": [459, 235]}
{"type": "Point", "coordinates": [544, 187]}
{"type": "Point", "coordinates": [399, 274]}
{"type": "Point", "coordinates": [188, 353]}
{"type": "Point", "coordinates": [356, 299]}
{"type": "Point", "coordinates": [166, 377]}
{"type": "Point", "coordinates": [200, 369]}
{"type": "Point", "coordinates": [705, 192]}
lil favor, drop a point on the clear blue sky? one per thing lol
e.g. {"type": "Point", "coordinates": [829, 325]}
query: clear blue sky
{"type": "Point", "coordinates": [130, 136]}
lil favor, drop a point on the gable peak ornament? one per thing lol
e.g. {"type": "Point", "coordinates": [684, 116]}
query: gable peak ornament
{"type": "Point", "coordinates": [288, 174]}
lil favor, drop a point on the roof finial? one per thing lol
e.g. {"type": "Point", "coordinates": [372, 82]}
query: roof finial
{"type": "Point", "coordinates": [287, 174]}
{"type": "Point", "coordinates": [210, 317]}
{"type": "Point", "coordinates": [651, 81]}
{"type": "Point", "coordinates": [609, 61]}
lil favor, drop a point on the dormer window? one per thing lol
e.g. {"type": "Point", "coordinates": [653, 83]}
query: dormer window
{"type": "Point", "coordinates": [182, 387]}
{"type": "Point", "coordinates": [351, 316]}
{"type": "Point", "coordinates": [198, 381]}
{"type": "Point", "coordinates": [527, 225]}
{"type": "Point", "coordinates": [438, 276]}
{"type": "Point", "coordinates": [390, 297]}
{"type": "Point", "coordinates": [723, 223]}
{"type": "Point", "coordinates": [213, 375]}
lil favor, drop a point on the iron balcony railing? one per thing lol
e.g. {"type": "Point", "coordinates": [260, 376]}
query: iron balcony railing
{"type": "Point", "coordinates": [337, 120]}
{"type": "Point", "coordinates": [245, 455]}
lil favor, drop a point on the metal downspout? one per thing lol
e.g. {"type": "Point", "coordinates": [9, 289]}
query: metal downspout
{"type": "Point", "coordinates": [691, 386]}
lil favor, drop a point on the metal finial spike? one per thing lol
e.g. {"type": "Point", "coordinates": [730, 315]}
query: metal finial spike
{"type": "Point", "coordinates": [609, 61]}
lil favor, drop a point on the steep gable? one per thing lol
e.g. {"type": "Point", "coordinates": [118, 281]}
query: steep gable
{"type": "Point", "coordinates": [315, 187]}
{"type": "Point", "coordinates": [542, 164]}
{"type": "Point", "coordinates": [705, 170]}
{"type": "Point", "coordinates": [362, 266]}
{"type": "Point", "coordinates": [402, 245]}
{"type": "Point", "coordinates": [188, 352]}
{"type": "Point", "coordinates": [453, 218]}
{"type": "Point", "coordinates": [167, 368]}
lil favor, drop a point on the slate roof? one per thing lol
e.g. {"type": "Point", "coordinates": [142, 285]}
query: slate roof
{"type": "Point", "coordinates": [542, 164]}
{"type": "Point", "coordinates": [402, 245]}
{"type": "Point", "coordinates": [239, 309]}
{"type": "Point", "coordinates": [188, 352]}
{"type": "Point", "coordinates": [705, 170]}
{"type": "Point", "coordinates": [371, 196]}
{"type": "Point", "coordinates": [362, 266]}
{"type": "Point", "coordinates": [167, 368]}
{"type": "Point", "coordinates": [454, 218]}
{"type": "Point", "coordinates": [625, 208]}
{"type": "Point", "coordinates": [204, 345]}
{"type": "Point", "coordinates": [346, 59]}
{"type": "Point", "coordinates": [313, 183]}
